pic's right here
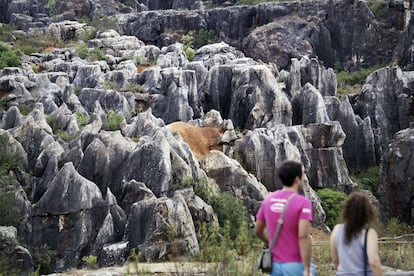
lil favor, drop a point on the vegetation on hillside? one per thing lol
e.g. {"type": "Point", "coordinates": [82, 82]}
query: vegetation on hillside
{"type": "Point", "coordinates": [196, 39]}
{"type": "Point", "coordinates": [351, 82]}
{"type": "Point", "coordinates": [9, 57]}
{"type": "Point", "coordinates": [367, 179]}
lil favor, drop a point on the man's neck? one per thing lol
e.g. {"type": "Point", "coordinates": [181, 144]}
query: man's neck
{"type": "Point", "coordinates": [292, 189]}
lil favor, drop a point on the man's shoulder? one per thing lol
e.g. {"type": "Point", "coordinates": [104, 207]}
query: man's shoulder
{"type": "Point", "coordinates": [303, 199]}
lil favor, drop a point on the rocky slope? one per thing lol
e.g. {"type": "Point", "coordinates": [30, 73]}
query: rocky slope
{"type": "Point", "coordinates": [106, 153]}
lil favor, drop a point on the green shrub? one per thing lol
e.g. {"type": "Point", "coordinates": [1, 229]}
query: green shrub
{"type": "Point", "coordinates": [81, 119]}
{"type": "Point", "coordinates": [113, 121]}
{"type": "Point", "coordinates": [356, 77]}
{"type": "Point", "coordinates": [183, 183]}
{"type": "Point", "coordinates": [96, 54]}
{"type": "Point", "coordinates": [8, 206]}
{"type": "Point", "coordinates": [104, 23]}
{"type": "Point", "coordinates": [227, 207]}
{"type": "Point", "coordinates": [377, 7]}
{"type": "Point", "coordinates": [51, 4]}
{"type": "Point", "coordinates": [134, 88]}
{"type": "Point", "coordinates": [82, 51]}
{"type": "Point", "coordinates": [351, 82]}
{"type": "Point", "coordinates": [90, 261]}
{"type": "Point", "coordinates": [77, 90]}
{"type": "Point", "coordinates": [368, 179]}
{"type": "Point", "coordinates": [43, 256]}
{"type": "Point", "coordinates": [25, 109]}
{"type": "Point", "coordinates": [189, 53]}
{"type": "Point", "coordinates": [205, 37]}
{"type": "Point", "coordinates": [9, 57]}
{"type": "Point", "coordinates": [331, 201]}
{"type": "Point", "coordinates": [195, 40]}
{"type": "Point", "coordinates": [66, 136]}
{"type": "Point", "coordinates": [53, 122]}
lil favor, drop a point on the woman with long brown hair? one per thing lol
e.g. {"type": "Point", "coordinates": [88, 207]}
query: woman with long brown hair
{"type": "Point", "coordinates": [354, 245]}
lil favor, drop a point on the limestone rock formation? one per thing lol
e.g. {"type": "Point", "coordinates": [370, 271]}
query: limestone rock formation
{"type": "Point", "coordinates": [387, 99]}
{"type": "Point", "coordinates": [396, 177]}
{"type": "Point", "coordinates": [248, 95]}
{"type": "Point", "coordinates": [230, 176]}
{"type": "Point", "coordinates": [166, 228]}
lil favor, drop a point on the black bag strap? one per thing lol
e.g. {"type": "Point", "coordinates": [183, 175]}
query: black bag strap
{"type": "Point", "coordinates": [280, 222]}
{"type": "Point", "coordinates": [365, 253]}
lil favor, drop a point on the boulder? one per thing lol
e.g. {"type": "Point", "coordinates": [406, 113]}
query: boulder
{"type": "Point", "coordinates": [134, 192]}
{"type": "Point", "coordinates": [231, 177]}
{"type": "Point", "coordinates": [201, 212]}
{"type": "Point", "coordinates": [165, 226]}
{"type": "Point", "coordinates": [396, 188]}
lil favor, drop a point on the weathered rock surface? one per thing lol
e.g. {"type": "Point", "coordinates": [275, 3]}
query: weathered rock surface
{"type": "Point", "coordinates": [86, 190]}
{"type": "Point", "coordinates": [359, 147]}
{"type": "Point", "coordinates": [396, 187]}
{"type": "Point", "coordinates": [324, 27]}
{"type": "Point", "coordinates": [230, 176]}
{"type": "Point", "coordinates": [14, 257]}
{"type": "Point", "coordinates": [248, 95]}
{"type": "Point", "coordinates": [310, 71]}
{"type": "Point", "coordinates": [262, 151]}
{"type": "Point", "coordinates": [387, 98]}
{"type": "Point", "coordinates": [70, 215]}
{"type": "Point", "coordinates": [165, 228]}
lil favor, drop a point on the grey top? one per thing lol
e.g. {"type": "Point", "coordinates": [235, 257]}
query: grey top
{"type": "Point", "coordinates": [351, 256]}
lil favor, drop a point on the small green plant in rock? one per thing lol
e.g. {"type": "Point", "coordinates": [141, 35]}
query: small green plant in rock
{"type": "Point", "coordinates": [53, 122]}
{"type": "Point", "coordinates": [66, 136]}
{"type": "Point", "coordinates": [77, 90]}
{"type": "Point", "coordinates": [25, 109]}
{"type": "Point", "coordinates": [96, 54]}
{"type": "Point", "coordinates": [81, 119]}
{"type": "Point", "coordinates": [135, 88]}
{"type": "Point", "coordinates": [331, 201]}
{"type": "Point", "coordinates": [113, 121]}
{"type": "Point", "coordinates": [90, 261]}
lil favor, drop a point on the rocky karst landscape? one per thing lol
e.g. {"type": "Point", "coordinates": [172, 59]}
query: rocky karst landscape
{"type": "Point", "coordinates": [106, 143]}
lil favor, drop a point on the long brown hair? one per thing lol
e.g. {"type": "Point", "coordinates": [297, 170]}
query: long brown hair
{"type": "Point", "coordinates": [358, 213]}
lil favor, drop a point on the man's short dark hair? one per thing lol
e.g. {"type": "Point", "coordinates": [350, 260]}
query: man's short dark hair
{"type": "Point", "coordinates": [288, 171]}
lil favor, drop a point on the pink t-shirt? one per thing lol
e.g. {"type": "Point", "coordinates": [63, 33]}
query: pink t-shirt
{"type": "Point", "coordinates": [287, 245]}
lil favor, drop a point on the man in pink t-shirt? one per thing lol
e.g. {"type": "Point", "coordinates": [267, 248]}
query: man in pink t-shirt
{"type": "Point", "coordinates": [291, 254]}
